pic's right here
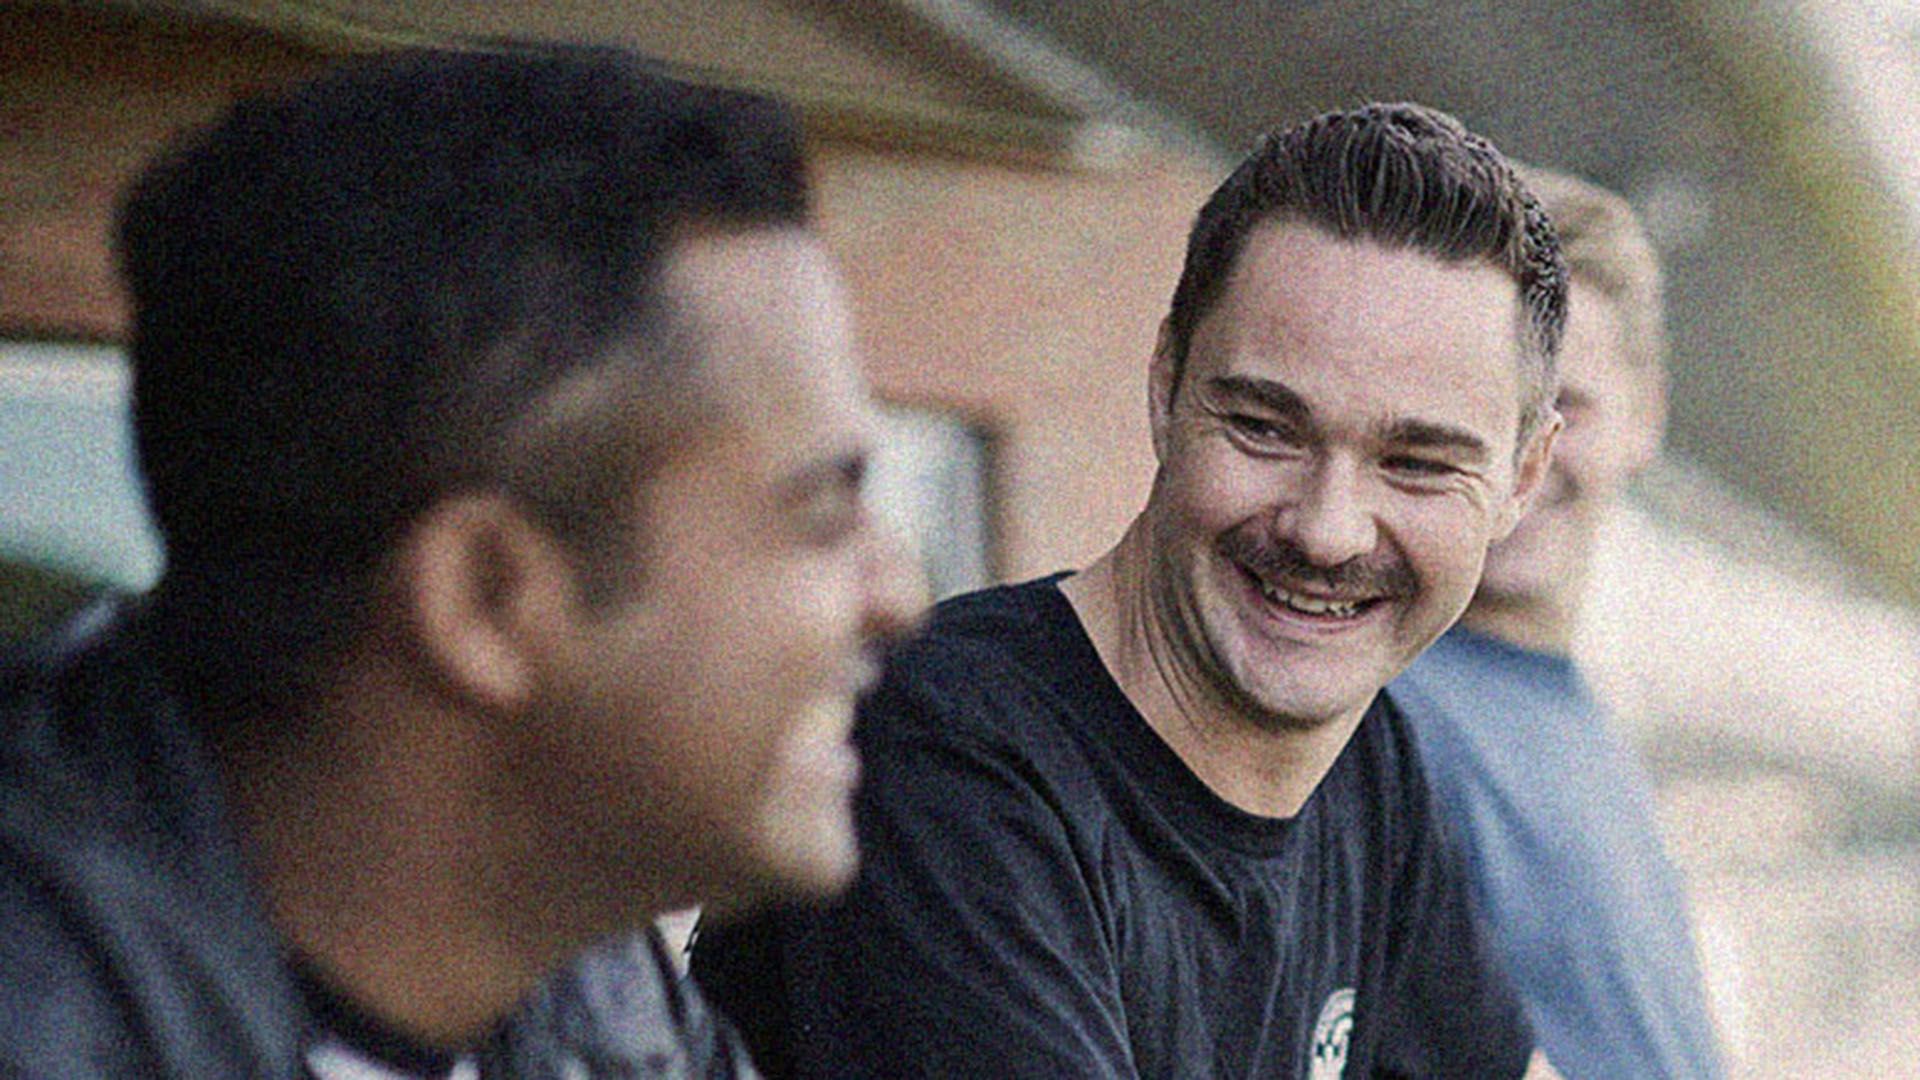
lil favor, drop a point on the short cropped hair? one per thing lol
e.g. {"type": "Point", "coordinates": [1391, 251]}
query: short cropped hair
{"type": "Point", "coordinates": [1606, 246]}
{"type": "Point", "coordinates": [1402, 175]}
{"type": "Point", "coordinates": [347, 295]}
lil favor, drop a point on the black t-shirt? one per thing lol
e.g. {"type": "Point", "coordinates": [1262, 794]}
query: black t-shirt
{"type": "Point", "coordinates": [1048, 891]}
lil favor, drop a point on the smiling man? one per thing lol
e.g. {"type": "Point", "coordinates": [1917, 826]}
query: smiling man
{"type": "Point", "coordinates": [502, 418]}
{"type": "Point", "coordinates": [1154, 819]}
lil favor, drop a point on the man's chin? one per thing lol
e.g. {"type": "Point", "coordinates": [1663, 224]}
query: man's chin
{"type": "Point", "coordinates": [827, 874]}
{"type": "Point", "coordinates": [812, 855]}
{"type": "Point", "coordinates": [1307, 708]}
{"type": "Point", "coordinates": [786, 867]}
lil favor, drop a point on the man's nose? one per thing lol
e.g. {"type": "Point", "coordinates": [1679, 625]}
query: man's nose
{"type": "Point", "coordinates": [1331, 519]}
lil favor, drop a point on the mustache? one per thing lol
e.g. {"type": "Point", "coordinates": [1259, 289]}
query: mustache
{"type": "Point", "coordinates": [1274, 559]}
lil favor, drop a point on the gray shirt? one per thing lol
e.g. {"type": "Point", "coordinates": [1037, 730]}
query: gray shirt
{"type": "Point", "coordinates": [1553, 822]}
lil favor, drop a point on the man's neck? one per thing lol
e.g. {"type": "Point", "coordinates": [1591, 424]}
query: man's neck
{"type": "Point", "coordinates": [384, 868]}
{"type": "Point", "coordinates": [1541, 624]}
{"type": "Point", "coordinates": [1261, 765]}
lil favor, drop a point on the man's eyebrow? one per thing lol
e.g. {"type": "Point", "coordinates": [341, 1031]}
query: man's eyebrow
{"type": "Point", "coordinates": [1426, 433]}
{"type": "Point", "coordinates": [1277, 398]}
{"type": "Point", "coordinates": [1270, 395]}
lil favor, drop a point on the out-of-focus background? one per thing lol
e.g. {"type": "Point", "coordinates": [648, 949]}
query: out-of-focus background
{"type": "Point", "coordinates": [1008, 184]}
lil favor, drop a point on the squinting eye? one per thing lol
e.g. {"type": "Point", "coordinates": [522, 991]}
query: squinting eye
{"type": "Point", "coordinates": [1254, 427]}
{"type": "Point", "coordinates": [1420, 466]}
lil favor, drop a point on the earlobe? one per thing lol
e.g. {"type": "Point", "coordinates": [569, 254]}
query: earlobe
{"type": "Point", "coordinates": [484, 589]}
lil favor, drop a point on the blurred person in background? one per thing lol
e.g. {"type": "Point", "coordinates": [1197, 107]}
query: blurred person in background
{"type": "Point", "coordinates": [502, 419]}
{"type": "Point", "coordinates": [1154, 819]}
{"type": "Point", "coordinates": [1550, 812]}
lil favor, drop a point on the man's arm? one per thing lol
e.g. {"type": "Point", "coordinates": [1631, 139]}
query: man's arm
{"type": "Point", "coordinates": [971, 944]}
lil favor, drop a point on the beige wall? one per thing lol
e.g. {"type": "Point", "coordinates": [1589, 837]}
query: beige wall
{"type": "Point", "coordinates": [1029, 301]}
{"type": "Point", "coordinates": [1024, 297]}
{"type": "Point", "coordinates": [85, 98]}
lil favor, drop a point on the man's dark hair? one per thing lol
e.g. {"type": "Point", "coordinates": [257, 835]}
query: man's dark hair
{"type": "Point", "coordinates": [1606, 246]}
{"type": "Point", "coordinates": [347, 296]}
{"type": "Point", "coordinates": [1403, 175]}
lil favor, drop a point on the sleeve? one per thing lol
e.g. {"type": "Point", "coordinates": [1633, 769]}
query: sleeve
{"type": "Point", "coordinates": [108, 970]}
{"type": "Point", "coordinates": [59, 1015]}
{"type": "Point", "coordinates": [1451, 1011]}
{"type": "Point", "coordinates": [970, 944]}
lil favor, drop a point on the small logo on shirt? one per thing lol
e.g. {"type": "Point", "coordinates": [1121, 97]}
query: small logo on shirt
{"type": "Point", "coordinates": [1328, 1057]}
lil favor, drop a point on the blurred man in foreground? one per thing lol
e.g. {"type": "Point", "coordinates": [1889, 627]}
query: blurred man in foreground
{"type": "Point", "coordinates": [488, 406]}
{"type": "Point", "coordinates": [1553, 815]}
{"type": "Point", "coordinates": [1153, 819]}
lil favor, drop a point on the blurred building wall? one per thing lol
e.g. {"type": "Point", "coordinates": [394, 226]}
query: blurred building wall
{"type": "Point", "coordinates": [1020, 294]}
{"type": "Point", "coordinates": [1029, 300]}
{"type": "Point", "coordinates": [85, 99]}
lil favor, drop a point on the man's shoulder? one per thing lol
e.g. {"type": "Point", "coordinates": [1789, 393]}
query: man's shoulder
{"type": "Point", "coordinates": [91, 739]}
{"type": "Point", "coordinates": [72, 721]}
{"type": "Point", "coordinates": [1379, 782]}
{"type": "Point", "coordinates": [1014, 622]}
{"type": "Point", "coordinates": [133, 938]}
{"type": "Point", "coordinates": [1003, 689]}
{"type": "Point", "coordinates": [984, 654]}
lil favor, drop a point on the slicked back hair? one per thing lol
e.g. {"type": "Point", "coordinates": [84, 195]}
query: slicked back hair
{"type": "Point", "coordinates": [1402, 175]}
{"type": "Point", "coordinates": [350, 299]}
{"type": "Point", "coordinates": [1607, 248]}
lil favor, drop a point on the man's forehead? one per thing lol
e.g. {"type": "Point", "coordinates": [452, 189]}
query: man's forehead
{"type": "Point", "coordinates": [1286, 257]}
{"type": "Point", "coordinates": [1417, 343]}
{"type": "Point", "coordinates": [1302, 276]}
{"type": "Point", "coordinates": [765, 318]}
{"type": "Point", "coordinates": [759, 267]}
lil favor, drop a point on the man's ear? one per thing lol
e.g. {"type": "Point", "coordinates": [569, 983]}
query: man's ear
{"type": "Point", "coordinates": [486, 593]}
{"type": "Point", "coordinates": [1529, 472]}
{"type": "Point", "coordinates": [1162, 381]}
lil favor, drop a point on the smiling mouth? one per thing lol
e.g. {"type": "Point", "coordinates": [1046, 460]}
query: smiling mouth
{"type": "Point", "coordinates": [1315, 606]}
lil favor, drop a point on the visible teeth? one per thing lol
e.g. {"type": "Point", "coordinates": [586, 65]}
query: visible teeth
{"type": "Point", "coordinates": [1308, 605]}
